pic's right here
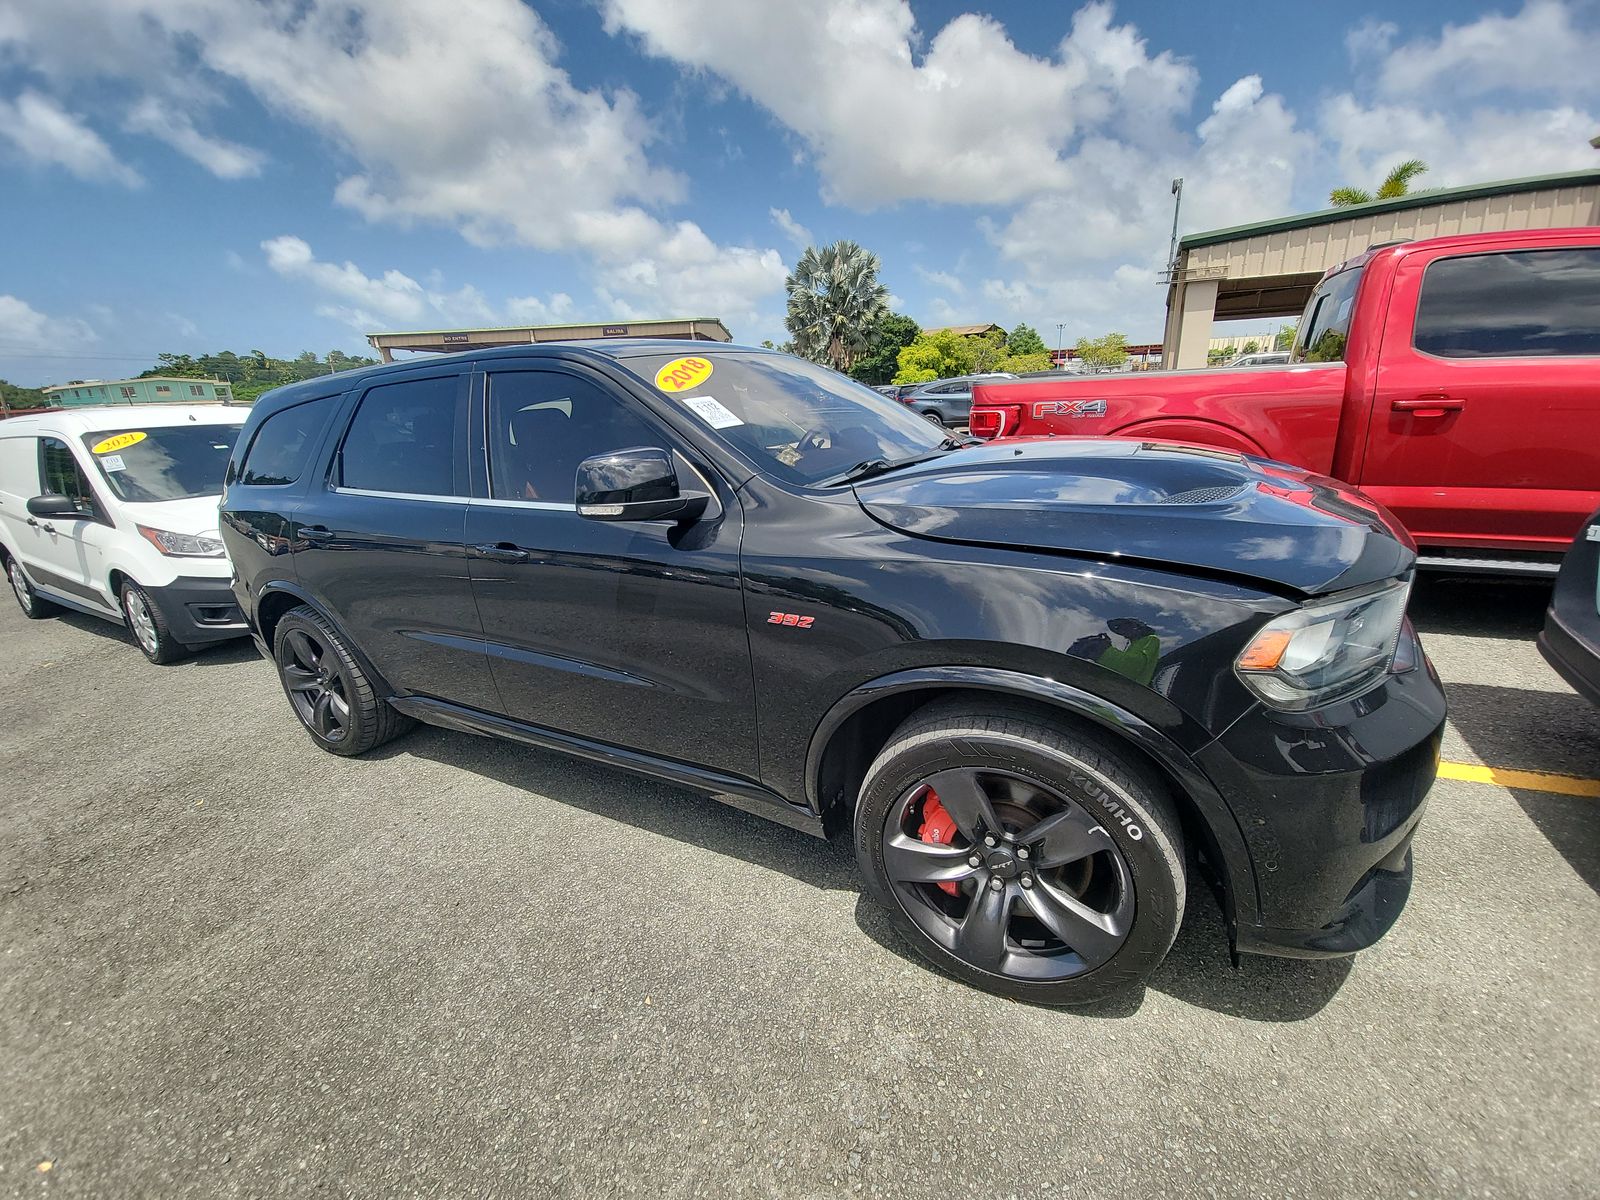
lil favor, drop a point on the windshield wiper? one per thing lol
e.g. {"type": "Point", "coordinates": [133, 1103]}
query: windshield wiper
{"type": "Point", "coordinates": [865, 470]}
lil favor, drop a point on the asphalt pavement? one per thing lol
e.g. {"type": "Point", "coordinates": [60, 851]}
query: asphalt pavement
{"type": "Point", "coordinates": [237, 966]}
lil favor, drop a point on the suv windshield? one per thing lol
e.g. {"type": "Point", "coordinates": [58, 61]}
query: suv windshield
{"type": "Point", "coordinates": [1326, 325]}
{"type": "Point", "coordinates": [799, 421]}
{"type": "Point", "coordinates": [177, 462]}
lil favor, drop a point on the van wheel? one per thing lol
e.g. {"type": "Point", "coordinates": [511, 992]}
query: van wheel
{"type": "Point", "coordinates": [1028, 858]}
{"type": "Point", "coordinates": [327, 688]}
{"type": "Point", "coordinates": [149, 627]}
{"type": "Point", "coordinates": [33, 608]}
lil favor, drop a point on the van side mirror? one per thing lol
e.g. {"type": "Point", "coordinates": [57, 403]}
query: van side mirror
{"type": "Point", "coordinates": [639, 484]}
{"type": "Point", "coordinates": [53, 507]}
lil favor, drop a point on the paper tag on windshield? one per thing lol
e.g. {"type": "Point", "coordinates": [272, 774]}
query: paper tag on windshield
{"type": "Point", "coordinates": [113, 462]}
{"type": "Point", "coordinates": [712, 411]}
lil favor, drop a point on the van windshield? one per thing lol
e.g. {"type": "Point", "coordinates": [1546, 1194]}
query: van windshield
{"type": "Point", "coordinates": [177, 462]}
{"type": "Point", "coordinates": [1326, 325]}
{"type": "Point", "coordinates": [802, 422]}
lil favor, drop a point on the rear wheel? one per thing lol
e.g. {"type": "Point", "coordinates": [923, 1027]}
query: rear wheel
{"type": "Point", "coordinates": [32, 606]}
{"type": "Point", "coordinates": [1027, 858]}
{"type": "Point", "coordinates": [148, 626]}
{"type": "Point", "coordinates": [936, 418]}
{"type": "Point", "coordinates": [328, 690]}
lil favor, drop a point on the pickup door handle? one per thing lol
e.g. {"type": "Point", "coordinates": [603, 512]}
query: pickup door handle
{"type": "Point", "coordinates": [502, 552]}
{"type": "Point", "coordinates": [1430, 404]}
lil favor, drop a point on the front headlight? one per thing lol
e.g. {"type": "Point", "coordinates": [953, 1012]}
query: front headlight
{"type": "Point", "coordinates": [182, 545]}
{"type": "Point", "coordinates": [1328, 650]}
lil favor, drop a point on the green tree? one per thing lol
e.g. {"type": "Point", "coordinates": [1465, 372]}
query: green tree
{"type": "Point", "coordinates": [1395, 184]}
{"type": "Point", "coordinates": [835, 302]}
{"type": "Point", "coordinates": [892, 334]}
{"type": "Point", "coordinates": [988, 351]}
{"type": "Point", "coordinates": [1285, 338]}
{"type": "Point", "coordinates": [1251, 347]}
{"type": "Point", "coordinates": [257, 371]}
{"type": "Point", "coordinates": [934, 356]}
{"type": "Point", "coordinates": [1218, 356]}
{"type": "Point", "coordinates": [1104, 353]}
{"type": "Point", "coordinates": [1025, 339]}
{"type": "Point", "coordinates": [13, 397]}
{"type": "Point", "coordinates": [1022, 364]}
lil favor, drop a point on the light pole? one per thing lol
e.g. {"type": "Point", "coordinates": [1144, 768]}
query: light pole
{"type": "Point", "coordinates": [1177, 203]}
{"type": "Point", "coordinates": [1061, 355]}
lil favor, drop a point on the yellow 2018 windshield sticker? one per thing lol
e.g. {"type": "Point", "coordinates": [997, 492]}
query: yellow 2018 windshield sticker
{"type": "Point", "coordinates": [120, 442]}
{"type": "Point", "coordinates": [681, 374]}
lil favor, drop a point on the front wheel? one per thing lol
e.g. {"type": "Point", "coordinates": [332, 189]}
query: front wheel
{"type": "Point", "coordinates": [148, 626]}
{"type": "Point", "coordinates": [1025, 857]}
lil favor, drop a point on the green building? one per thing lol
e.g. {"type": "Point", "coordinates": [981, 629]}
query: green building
{"type": "Point", "coordinates": [153, 389]}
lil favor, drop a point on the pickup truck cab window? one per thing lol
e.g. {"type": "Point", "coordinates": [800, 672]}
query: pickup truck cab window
{"type": "Point", "coordinates": [542, 424]}
{"type": "Point", "coordinates": [1328, 327]}
{"type": "Point", "coordinates": [1526, 303]}
{"type": "Point", "coordinates": [799, 421]}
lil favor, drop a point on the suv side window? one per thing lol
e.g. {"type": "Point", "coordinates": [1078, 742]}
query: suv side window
{"type": "Point", "coordinates": [542, 424]}
{"type": "Point", "coordinates": [1519, 304]}
{"type": "Point", "coordinates": [60, 475]}
{"type": "Point", "coordinates": [402, 440]}
{"type": "Point", "coordinates": [283, 445]}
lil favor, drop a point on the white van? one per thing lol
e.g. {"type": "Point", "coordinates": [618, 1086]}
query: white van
{"type": "Point", "coordinates": [113, 511]}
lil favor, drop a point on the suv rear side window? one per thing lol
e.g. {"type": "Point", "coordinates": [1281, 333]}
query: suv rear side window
{"type": "Point", "coordinates": [403, 439]}
{"type": "Point", "coordinates": [283, 444]}
{"type": "Point", "coordinates": [1522, 304]}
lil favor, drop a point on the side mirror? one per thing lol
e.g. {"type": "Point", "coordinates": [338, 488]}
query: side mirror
{"type": "Point", "coordinates": [635, 485]}
{"type": "Point", "coordinates": [53, 507]}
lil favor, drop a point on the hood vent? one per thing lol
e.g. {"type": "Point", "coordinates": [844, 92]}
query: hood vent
{"type": "Point", "coordinates": [1205, 495]}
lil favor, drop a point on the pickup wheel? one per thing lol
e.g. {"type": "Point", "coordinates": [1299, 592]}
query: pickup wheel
{"type": "Point", "coordinates": [328, 690]}
{"type": "Point", "coordinates": [1028, 858]}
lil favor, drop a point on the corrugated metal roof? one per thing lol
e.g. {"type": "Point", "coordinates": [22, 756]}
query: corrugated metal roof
{"type": "Point", "coordinates": [1327, 216]}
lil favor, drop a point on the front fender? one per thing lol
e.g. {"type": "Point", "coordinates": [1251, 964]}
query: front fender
{"type": "Point", "coordinates": [1226, 841]}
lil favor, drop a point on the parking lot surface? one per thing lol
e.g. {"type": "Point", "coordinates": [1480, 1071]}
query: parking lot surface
{"type": "Point", "coordinates": [235, 965]}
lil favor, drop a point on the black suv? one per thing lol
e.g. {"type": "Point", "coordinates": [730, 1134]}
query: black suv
{"type": "Point", "coordinates": [1041, 681]}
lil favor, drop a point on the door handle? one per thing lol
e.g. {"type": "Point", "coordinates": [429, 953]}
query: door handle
{"type": "Point", "coordinates": [1430, 404]}
{"type": "Point", "coordinates": [502, 552]}
{"type": "Point", "coordinates": [316, 533]}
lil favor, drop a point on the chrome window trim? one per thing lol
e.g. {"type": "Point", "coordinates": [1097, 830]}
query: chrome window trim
{"type": "Point", "coordinates": [348, 491]}
{"type": "Point", "coordinates": [543, 505]}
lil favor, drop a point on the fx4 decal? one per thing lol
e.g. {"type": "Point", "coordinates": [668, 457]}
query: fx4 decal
{"type": "Point", "coordinates": [794, 619]}
{"type": "Point", "coordinates": [1070, 408]}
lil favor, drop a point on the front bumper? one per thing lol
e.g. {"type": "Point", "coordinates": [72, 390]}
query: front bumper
{"type": "Point", "coordinates": [1328, 802]}
{"type": "Point", "coordinates": [199, 611]}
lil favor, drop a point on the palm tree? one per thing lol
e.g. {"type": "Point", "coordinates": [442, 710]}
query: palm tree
{"type": "Point", "coordinates": [1395, 184]}
{"type": "Point", "coordinates": [835, 302]}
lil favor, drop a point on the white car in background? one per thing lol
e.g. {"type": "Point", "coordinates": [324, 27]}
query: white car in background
{"type": "Point", "coordinates": [112, 510]}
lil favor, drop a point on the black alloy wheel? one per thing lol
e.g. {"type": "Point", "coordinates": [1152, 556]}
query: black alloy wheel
{"type": "Point", "coordinates": [315, 685]}
{"type": "Point", "coordinates": [1023, 854]}
{"type": "Point", "coordinates": [327, 687]}
{"type": "Point", "coordinates": [1041, 891]}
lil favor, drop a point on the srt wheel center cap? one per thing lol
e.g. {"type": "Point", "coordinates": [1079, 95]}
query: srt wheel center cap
{"type": "Point", "coordinates": [1002, 863]}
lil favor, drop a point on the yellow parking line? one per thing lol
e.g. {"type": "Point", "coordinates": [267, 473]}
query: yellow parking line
{"type": "Point", "coordinates": [1537, 781]}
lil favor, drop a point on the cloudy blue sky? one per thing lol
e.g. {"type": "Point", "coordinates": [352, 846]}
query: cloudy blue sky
{"type": "Point", "coordinates": [194, 175]}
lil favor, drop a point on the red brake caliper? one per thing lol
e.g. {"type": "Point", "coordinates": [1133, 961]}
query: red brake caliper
{"type": "Point", "coordinates": [939, 829]}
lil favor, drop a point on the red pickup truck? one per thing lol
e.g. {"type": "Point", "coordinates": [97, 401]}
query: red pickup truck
{"type": "Point", "coordinates": [1455, 380]}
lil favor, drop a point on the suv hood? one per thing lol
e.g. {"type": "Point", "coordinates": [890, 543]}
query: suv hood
{"type": "Point", "coordinates": [1152, 502]}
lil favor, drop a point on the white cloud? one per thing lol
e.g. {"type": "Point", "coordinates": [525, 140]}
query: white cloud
{"type": "Point", "coordinates": [452, 112]}
{"type": "Point", "coordinates": [995, 119]}
{"type": "Point", "coordinates": [370, 302]}
{"type": "Point", "coordinates": [224, 159]}
{"type": "Point", "coordinates": [797, 233]}
{"type": "Point", "coordinates": [24, 328]}
{"type": "Point", "coordinates": [46, 133]}
{"type": "Point", "coordinates": [939, 279]}
{"type": "Point", "coordinates": [1539, 49]}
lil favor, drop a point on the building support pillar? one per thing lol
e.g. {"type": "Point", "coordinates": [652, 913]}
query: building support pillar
{"type": "Point", "coordinates": [1191, 309]}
